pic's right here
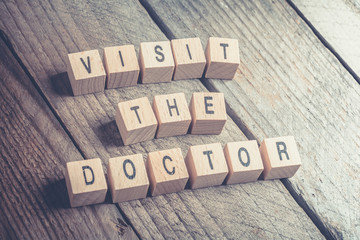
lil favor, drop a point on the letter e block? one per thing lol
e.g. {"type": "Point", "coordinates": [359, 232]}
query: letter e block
{"type": "Point", "coordinates": [136, 121]}
{"type": "Point", "coordinates": [86, 72]}
{"type": "Point", "coordinates": [167, 171]}
{"type": "Point", "coordinates": [206, 165]}
{"type": "Point", "coordinates": [189, 58]}
{"type": "Point", "coordinates": [244, 162]}
{"type": "Point", "coordinates": [222, 58]}
{"type": "Point", "coordinates": [172, 113]}
{"type": "Point", "coordinates": [280, 157]}
{"type": "Point", "coordinates": [208, 113]}
{"type": "Point", "coordinates": [156, 62]}
{"type": "Point", "coordinates": [128, 179]}
{"type": "Point", "coordinates": [122, 67]}
{"type": "Point", "coordinates": [85, 182]}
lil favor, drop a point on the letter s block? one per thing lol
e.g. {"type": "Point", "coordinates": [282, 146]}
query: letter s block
{"type": "Point", "coordinates": [85, 182]}
{"type": "Point", "coordinates": [280, 157]}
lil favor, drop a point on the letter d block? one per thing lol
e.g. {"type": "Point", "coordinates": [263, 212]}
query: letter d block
{"type": "Point", "coordinates": [136, 121]}
{"type": "Point", "coordinates": [85, 182]}
{"type": "Point", "coordinates": [280, 157]}
{"type": "Point", "coordinates": [167, 171]}
{"type": "Point", "coordinates": [86, 72]}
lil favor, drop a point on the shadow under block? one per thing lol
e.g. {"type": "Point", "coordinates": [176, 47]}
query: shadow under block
{"type": "Point", "coordinates": [128, 179]}
{"type": "Point", "coordinates": [206, 165]}
{"type": "Point", "coordinates": [156, 62]}
{"type": "Point", "coordinates": [208, 113]}
{"type": "Point", "coordinates": [189, 58]}
{"type": "Point", "coordinates": [280, 157]}
{"type": "Point", "coordinates": [244, 162]}
{"type": "Point", "coordinates": [122, 67]}
{"type": "Point", "coordinates": [167, 171]}
{"type": "Point", "coordinates": [222, 58]}
{"type": "Point", "coordinates": [136, 120]}
{"type": "Point", "coordinates": [85, 182]}
{"type": "Point", "coordinates": [86, 72]}
{"type": "Point", "coordinates": [172, 113]}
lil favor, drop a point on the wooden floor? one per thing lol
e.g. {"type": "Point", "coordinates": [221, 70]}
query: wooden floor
{"type": "Point", "coordinates": [298, 76]}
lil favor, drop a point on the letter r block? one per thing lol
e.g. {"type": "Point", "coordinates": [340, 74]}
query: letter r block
{"type": "Point", "coordinates": [85, 182]}
{"type": "Point", "coordinates": [136, 121]}
{"type": "Point", "coordinates": [280, 157]}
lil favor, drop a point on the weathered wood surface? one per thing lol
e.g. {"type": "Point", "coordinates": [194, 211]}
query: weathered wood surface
{"type": "Point", "coordinates": [33, 151]}
{"type": "Point", "coordinates": [288, 83]}
{"type": "Point", "coordinates": [255, 210]}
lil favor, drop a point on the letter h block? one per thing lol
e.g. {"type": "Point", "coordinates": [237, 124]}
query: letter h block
{"type": "Point", "coordinates": [136, 121]}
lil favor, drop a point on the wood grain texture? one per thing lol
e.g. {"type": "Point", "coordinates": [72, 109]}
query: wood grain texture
{"type": "Point", "coordinates": [257, 210]}
{"type": "Point", "coordinates": [33, 151]}
{"type": "Point", "coordinates": [287, 84]}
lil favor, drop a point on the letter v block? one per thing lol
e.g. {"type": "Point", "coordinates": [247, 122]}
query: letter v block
{"type": "Point", "coordinates": [86, 72]}
{"type": "Point", "coordinates": [136, 121]}
{"type": "Point", "coordinates": [85, 182]}
{"type": "Point", "coordinates": [280, 157]}
{"type": "Point", "coordinates": [167, 171]}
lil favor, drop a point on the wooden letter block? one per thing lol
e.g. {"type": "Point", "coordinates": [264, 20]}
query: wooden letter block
{"type": "Point", "coordinates": [136, 121]}
{"type": "Point", "coordinates": [189, 58]}
{"type": "Point", "coordinates": [244, 162]}
{"type": "Point", "coordinates": [86, 72]}
{"type": "Point", "coordinates": [122, 67]}
{"type": "Point", "coordinates": [85, 182]}
{"type": "Point", "coordinates": [222, 58]}
{"type": "Point", "coordinates": [172, 113]}
{"type": "Point", "coordinates": [280, 157]}
{"type": "Point", "coordinates": [128, 179]}
{"type": "Point", "coordinates": [156, 62]}
{"type": "Point", "coordinates": [208, 113]}
{"type": "Point", "coordinates": [167, 171]}
{"type": "Point", "coordinates": [206, 165]}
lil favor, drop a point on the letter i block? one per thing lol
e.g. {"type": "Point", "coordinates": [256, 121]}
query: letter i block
{"type": "Point", "coordinates": [128, 179]}
{"type": "Point", "coordinates": [156, 62]}
{"type": "Point", "coordinates": [208, 113]}
{"type": "Point", "coordinates": [167, 171]}
{"type": "Point", "coordinates": [86, 72]}
{"type": "Point", "coordinates": [206, 165]}
{"type": "Point", "coordinates": [172, 113]}
{"type": "Point", "coordinates": [189, 58]}
{"type": "Point", "coordinates": [222, 58]}
{"type": "Point", "coordinates": [122, 67]}
{"type": "Point", "coordinates": [85, 182]}
{"type": "Point", "coordinates": [280, 157]}
{"type": "Point", "coordinates": [136, 121]}
{"type": "Point", "coordinates": [244, 162]}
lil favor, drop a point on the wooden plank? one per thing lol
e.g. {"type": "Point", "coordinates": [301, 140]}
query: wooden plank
{"type": "Point", "coordinates": [255, 210]}
{"type": "Point", "coordinates": [33, 151]}
{"type": "Point", "coordinates": [287, 84]}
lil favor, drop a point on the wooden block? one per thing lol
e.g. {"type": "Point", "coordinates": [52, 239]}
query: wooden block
{"type": "Point", "coordinates": [136, 121]}
{"type": "Point", "coordinates": [86, 72]}
{"type": "Point", "coordinates": [189, 58]}
{"type": "Point", "coordinates": [280, 157]}
{"type": "Point", "coordinates": [172, 113]}
{"type": "Point", "coordinates": [206, 165]}
{"type": "Point", "coordinates": [156, 62]}
{"type": "Point", "coordinates": [222, 58]}
{"type": "Point", "coordinates": [167, 171]}
{"type": "Point", "coordinates": [244, 162]}
{"type": "Point", "coordinates": [122, 67]}
{"type": "Point", "coordinates": [85, 182]}
{"type": "Point", "coordinates": [208, 113]}
{"type": "Point", "coordinates": [128, 179]}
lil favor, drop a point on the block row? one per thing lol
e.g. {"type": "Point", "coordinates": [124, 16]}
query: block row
{"type": "Point", "coordinates": [166, 171]}
{"type": "Point", "coordinates": [170, 115]}
{"type": "Point", "coordinates": [158, 62]}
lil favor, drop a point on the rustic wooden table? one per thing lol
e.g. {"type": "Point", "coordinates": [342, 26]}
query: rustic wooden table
{"type": "Point", "coordinates": [295, 78]}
